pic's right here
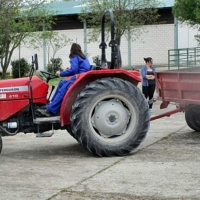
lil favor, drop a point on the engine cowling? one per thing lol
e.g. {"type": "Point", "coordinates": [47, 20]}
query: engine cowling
{"type": "Point", "coordinates": [15, 94]}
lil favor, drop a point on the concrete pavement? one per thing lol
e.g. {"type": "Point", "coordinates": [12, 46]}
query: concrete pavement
{"type": "Point", "coordinates": [165, 166]}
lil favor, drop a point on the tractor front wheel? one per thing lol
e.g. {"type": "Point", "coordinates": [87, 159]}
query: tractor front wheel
{"type": "Point", "coordinates": [110, 117]}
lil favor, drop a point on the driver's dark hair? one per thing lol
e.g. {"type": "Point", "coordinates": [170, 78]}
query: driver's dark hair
{"type": "Point", "coordinates": [76, 50]}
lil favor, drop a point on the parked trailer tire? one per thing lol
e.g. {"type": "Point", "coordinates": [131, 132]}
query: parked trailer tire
{"type": "Point", "coordinates": [1, 144]}
{"type": "Point", "coordinates": [192, 117]}
{"type": "Point", "coordinates": [110, 117]}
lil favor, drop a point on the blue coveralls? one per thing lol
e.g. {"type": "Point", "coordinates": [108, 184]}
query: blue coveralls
{"type": "Point", "coordinates": [78, 66]}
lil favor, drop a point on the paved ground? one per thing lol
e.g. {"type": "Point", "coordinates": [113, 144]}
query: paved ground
{"type": "Point", "coordinates": [165, 166]}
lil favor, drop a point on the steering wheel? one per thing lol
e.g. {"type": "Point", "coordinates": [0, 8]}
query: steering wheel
{"type": "Point", "coordinates": [48, 75]}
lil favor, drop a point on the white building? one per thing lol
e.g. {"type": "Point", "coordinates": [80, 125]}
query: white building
{"type": "Point", "coordinates": [154, 42]}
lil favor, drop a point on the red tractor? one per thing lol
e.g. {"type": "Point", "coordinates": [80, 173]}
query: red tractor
{"type": "Point", "coordinates": [103, 110]}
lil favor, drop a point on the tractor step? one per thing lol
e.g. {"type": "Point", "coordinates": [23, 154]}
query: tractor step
{"type": "Point", "coordinates": [46, 120]}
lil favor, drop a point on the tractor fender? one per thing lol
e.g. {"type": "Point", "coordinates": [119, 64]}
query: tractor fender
{"type": "Point", "coordinates": [84, 79]}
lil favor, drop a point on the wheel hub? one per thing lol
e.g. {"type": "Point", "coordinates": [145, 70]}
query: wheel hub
{"type": "Point", "coordinates": [110, 118]}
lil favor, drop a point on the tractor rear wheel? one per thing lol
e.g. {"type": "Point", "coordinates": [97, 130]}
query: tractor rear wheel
{"type": "Point", "coordinates": [1, 143]}
{"type": "Point", "coordinates": [192, 117]}
{"type": "Point", "coordinates": [69, 130]}
{"type": "Point", "coordinates": [110, 117]}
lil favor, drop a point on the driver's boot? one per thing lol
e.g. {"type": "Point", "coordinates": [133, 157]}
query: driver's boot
{"type": "Point", "coordinates": [43, 112]}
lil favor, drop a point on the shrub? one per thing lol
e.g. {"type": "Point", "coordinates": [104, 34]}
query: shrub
{"type": "Point", "coordinates": [54, 65]}
{"type": "Point", "coordinates": [20, 65]}
{"type": "Point", "coordinates": [96, 60]}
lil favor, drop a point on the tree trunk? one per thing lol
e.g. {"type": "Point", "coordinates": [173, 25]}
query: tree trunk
{"type": "Point", "coordinates": [3, 76]}
{"type": "Point", "coordinates": [5, 61]}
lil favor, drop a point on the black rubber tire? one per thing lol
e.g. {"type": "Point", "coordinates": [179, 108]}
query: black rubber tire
{"type": "Point", "coordinates": [192, 117]}
{"type": "Point", "coordinates": [126, 97]}
{"type": "Point", "coordinates": [1, 143]}
{"type": "Point", "coordinates": [69, 129]}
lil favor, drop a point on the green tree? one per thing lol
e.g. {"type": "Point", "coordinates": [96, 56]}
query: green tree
{"type": "Point", "coordinates": [129, 15]}
{"type": "Point", "coordinates": [20, 68]}
{"type": "Point", "coordinates": [17, 20]}
{"type": "Point", "coordinates": [187, 11]}
{"type": "Point", "coordinates": [54, 65]}
{"type": "Point", "coordinates": [53, 41]}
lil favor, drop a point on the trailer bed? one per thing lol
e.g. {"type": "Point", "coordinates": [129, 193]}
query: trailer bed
{"type": "Point", "coordinates": [181, 86]}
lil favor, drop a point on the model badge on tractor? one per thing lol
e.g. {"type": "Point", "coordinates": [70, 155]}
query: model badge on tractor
{"type": "Point", "coordinates": [103, 110]}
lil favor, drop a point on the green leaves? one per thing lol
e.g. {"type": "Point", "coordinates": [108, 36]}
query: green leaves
{"type": "Point", "coordinates": [18, 19]}
{"type": "Point", "coordinates": [128, 15]}
{"type": "Point", "coordinates": [20, 68]}
{"type": "Point", "coordinates": [187, 11]}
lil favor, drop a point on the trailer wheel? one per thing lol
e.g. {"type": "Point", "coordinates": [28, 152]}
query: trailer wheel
{"type": "Point", "coordinates": [1, 143]}
{"type": "Point", "coordinates": [110, 117]}
{"type": "Point", "coordinates": [192, 117]}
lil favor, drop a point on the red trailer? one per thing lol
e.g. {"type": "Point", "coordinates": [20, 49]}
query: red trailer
{"type": "Point", "coordinates": [181, 86]}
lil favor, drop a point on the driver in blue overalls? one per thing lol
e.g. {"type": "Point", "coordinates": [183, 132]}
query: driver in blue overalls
{"type": "Point", "coordinates": [78, 64]}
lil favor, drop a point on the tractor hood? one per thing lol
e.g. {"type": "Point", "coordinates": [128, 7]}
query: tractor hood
{"type": "Point", "coordinates": [15, 94]}
{"type": "Point", "coordinates": [19, 88]}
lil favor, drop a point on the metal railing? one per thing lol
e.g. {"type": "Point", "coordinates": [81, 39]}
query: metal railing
{"type": "Point", "coordinates": [186, 57]}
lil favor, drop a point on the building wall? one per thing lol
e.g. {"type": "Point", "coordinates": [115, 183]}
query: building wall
{"type": "Point", "coordinates": [154, 41]}
{"type": "Point", "coordinates": [186, 36]}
